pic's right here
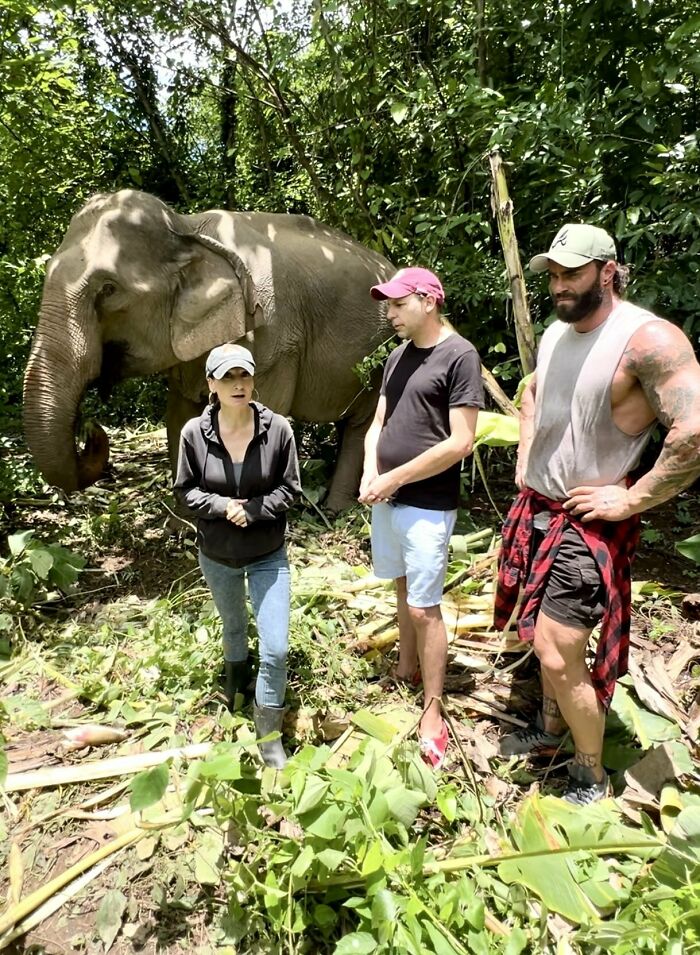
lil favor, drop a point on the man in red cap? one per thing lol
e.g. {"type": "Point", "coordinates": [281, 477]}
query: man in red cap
{"type": "Point", "coordinates": [423, 428]}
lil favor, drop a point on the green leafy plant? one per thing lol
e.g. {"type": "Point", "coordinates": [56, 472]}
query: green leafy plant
{"type": "Point", "coordinates": [367, 369]}
{"type": "Point", "coordinates": [690, 548]}
{"type": "Point", "coordinates": [33, 570]}
{"type": "Point", "coordinates": [336, 854]}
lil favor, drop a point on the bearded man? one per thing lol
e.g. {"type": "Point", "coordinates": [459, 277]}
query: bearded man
{"type": "Point", "coordinates": [607, 372]}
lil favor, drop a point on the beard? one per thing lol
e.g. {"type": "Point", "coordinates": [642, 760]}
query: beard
{"type": "Point", "coordinates": [577, 307]}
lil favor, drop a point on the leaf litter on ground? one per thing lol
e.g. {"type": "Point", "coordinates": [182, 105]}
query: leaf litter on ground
{"type": "Point", "coordinates": [361, 844]}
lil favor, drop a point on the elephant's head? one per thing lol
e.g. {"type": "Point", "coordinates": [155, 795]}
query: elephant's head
{"type": "Point", "coordinates": [124, 294]}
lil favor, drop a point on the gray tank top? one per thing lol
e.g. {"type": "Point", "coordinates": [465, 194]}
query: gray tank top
{"type": "Point", "coordinates": [576, 441]}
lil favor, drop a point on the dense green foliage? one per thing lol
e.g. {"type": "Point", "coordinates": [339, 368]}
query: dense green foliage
{"type": "Point", "coordinates": [375, 117]}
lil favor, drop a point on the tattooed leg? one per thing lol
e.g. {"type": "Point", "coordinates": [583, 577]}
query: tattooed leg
{"type": "Point", "coordinates": [552, 718]}
{"type": "Point", "coordinates": [550, 707]}
{"type": "Point", "coordinates": [590, 761]}
{"type": "Point", "coordinates": [561, 650]}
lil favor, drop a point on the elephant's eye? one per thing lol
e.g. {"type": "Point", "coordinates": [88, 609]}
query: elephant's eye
{"type": "Point", "coordinates": [107, 289]}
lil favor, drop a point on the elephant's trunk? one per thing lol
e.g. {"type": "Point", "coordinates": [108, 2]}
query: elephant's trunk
{"type": "Point", "coordinates": [65, 357]}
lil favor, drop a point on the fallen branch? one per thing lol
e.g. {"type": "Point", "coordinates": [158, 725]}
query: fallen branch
{"type": "Point", "coordinates": [52, 905]}
{"type": "Point", "coordinates": [317, 509]}
{"type": "Point", "coordinates": [469, 703]}
{"type": "Point", "coordinates": [498, 394]}
{"type": "Point", "coordinates": [95, 800]}
{"type": "Point", "coordinates": [64, 698]}
{"type": "Point", "coordinates": [20, 911]}
{"type": "Point", "coordinates": [100, 769]}
{"type": "Point", "coordinates": [506, 642]}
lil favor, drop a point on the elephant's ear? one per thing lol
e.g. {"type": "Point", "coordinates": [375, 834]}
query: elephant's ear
{"type": "Point", "coordinates": [216, 299]}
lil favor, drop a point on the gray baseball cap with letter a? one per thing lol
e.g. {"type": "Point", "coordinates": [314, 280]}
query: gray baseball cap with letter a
{"type": "Point", "coordinates": [574, 245]}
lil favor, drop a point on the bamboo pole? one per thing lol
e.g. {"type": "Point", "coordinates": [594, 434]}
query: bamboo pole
{"type": "Point", "coordinates": [20, 911]}
{"type": "Point", "coordinates": [502, 207]}
{"type": "Point", "coordinates": [53, 904]}
{"type": "Point", "coordinates": [100, 769]}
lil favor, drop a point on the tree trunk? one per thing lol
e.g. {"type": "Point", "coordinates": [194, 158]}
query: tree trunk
{"type": "Point", "coordinates": [503, 211]}
{"type": "Point", "coordinates": [228, 133]}
{"type": "Point", "coordinates": [481, 59]}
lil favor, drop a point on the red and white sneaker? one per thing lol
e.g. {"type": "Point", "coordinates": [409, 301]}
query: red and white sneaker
{"type": "Point", "coordinates": [433, 748]}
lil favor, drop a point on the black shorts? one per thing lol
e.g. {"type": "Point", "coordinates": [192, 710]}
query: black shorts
{"type": "Point", "coordinates": [575, 593]}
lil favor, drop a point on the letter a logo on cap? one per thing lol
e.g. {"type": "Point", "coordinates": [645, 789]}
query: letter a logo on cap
{"type": "Point", "coordinates": [560, 239]}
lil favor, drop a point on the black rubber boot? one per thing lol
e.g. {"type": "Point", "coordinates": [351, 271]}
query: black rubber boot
{"type": "Point", "coordinates": [236, 679]}
{"type": "Point", "coordinates": [268, 719]}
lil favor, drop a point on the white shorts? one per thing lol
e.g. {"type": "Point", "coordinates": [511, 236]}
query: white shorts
{"type": "Point", "coordinates": [412, 542]}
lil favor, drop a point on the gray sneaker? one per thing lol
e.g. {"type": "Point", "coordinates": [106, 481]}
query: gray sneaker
{"type": "Point", "coordinates": [582, 788]}
{"type": "Point", "coordinates": [529, 739]}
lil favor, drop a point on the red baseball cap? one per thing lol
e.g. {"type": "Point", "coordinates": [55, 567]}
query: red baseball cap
{"type": "Point", "coordinates": [410, 281]}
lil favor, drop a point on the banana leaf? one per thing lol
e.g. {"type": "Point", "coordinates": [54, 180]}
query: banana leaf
{"type": "Point", "coordinates": [496, 430]}
{"type": "Point", "coordinates": [560, 850]}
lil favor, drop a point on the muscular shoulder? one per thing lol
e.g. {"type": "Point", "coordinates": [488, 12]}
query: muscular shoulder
{"type": "Point", "coordinates": [660, 357]}
{"type": "Point", "coordinates": [657, 348]}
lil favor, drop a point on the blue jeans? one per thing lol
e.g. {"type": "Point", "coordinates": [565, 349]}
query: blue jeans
{"type": "Point", "coordinates": [268, 586]}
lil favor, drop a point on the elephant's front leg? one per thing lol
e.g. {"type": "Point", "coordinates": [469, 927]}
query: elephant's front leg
{"type": "Point", "coordinates": [178, 411]}
{"type": "Point", "coordinates": [348, 470]}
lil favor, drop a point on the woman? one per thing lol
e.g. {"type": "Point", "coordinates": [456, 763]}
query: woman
{"type": "Point", "coordinates": [237, 474]}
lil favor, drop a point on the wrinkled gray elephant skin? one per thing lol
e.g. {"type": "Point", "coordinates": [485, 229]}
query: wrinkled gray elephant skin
{"type": "Point", "coordinates": [137, 289]}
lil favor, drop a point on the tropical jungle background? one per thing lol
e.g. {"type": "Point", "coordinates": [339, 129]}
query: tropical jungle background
{"type": "Point", "coordinates": [378, 118]}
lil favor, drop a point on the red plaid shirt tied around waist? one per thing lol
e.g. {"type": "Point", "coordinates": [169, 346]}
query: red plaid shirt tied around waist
{"type": "Point", "coordinates": [612, 544]}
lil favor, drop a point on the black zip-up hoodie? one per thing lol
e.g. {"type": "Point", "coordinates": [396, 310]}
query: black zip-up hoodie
{"type": "Point", "coordinates": [205, 483]}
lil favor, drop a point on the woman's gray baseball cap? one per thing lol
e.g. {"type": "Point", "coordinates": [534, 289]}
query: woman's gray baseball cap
{"type": "Point", "coordinates": [574, 245]}
{"type": "Point", "coordinates": [225, 357]}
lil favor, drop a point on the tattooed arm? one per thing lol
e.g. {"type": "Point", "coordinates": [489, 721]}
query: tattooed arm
{"type": "Point", "coordinates": [669, 374]}
{"type": "Point", "coordinates": [661, 359]}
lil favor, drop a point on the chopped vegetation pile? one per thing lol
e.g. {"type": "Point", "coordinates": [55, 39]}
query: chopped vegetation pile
{"type": "Point", "coordinates": [137, 815]}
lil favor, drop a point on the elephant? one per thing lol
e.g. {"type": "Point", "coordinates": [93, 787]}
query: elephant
{"type": "Point", "coordinates": [136, 288]}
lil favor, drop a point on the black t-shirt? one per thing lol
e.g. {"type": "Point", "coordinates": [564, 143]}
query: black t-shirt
{"type": "Point", "coordinates": [420, 386]}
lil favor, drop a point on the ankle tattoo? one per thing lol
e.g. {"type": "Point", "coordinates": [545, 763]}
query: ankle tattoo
{"type": "Point", "coordinates": [589, 760]}
{"type": "Point", "coordinates": [550, 707]}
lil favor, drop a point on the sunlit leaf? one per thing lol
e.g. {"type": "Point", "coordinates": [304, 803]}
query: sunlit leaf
{"type": "Point", "coordinates": [405, 804]}
{"type": "Point", "coordinates": [374, 726]}
{"type": "Point", "coordinates": [357, 943]}
{"type": "Point", "coordinates": [149, 787]}
{"type": "Point", "coordinates": [399, 111]}
{"type": "Point", "coordinates": [649, 728]}
{"type": "Point", "coordinates": [690, 547]}
{"type": "Point", "coordinates": [41, 561]}
{"type": "Point", "coordinates": [496, 430]}
{"type": "Point", "coordinates": [18, 542]}
{"type": "Point", "coordinates": [207, 854]}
